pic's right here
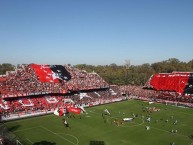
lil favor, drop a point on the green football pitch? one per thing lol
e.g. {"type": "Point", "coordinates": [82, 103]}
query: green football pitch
{"type": "Point", "coordinates": [93, 129]}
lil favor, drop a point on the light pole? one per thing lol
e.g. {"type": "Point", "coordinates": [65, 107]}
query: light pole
{"type": "Point", "coordinates": [127, 65]}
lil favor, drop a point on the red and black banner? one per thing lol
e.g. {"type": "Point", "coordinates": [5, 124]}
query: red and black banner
{"type": "Point", "coordinates": [180, 82]}
{"type": "Point", "coordinates": [51, 73]}
{"type": "Point", "coordinates": [189, 87]}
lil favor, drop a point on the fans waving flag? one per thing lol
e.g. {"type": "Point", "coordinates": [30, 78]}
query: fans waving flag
{"type": "Point", "coordinates": [180, 82]}
{"type": "Point", "coordinates": [51, 73]}
{"type": "Point", "coordinates": [60, 72]}
{"type": "Point", "coordinates": [70, 109]}
{"type": "Point", "coordinates": [74, 110]}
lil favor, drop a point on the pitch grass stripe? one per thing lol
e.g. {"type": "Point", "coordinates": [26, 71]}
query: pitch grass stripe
{"type": "Point", "coordinates": [49, 131]}
{"type": "Point", "coordinates": [119, 116]}
{"type": "Point", "coordinates": [93, 112]}
{"type": "Point", "coordinates": [67, 134]}
{"type": "Point", "coordinates": [58, 135]}
{"type": "Point", "coordinates": [168, 131]}
{"type": "Point", "coordinates": [136, 124]}
{"type": "Point", "coordinates": [181, 112]}
{"type": "Point", "coordinates": [143, 125]}
{"type": "Point", "coordinates": [31, 118]}
{"type": "Point", "coordinates": [26, 129]}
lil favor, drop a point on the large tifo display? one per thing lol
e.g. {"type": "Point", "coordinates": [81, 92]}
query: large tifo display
{"type": "Point", "coordinates": [180, 82]}
{"type": "Point", "coordinates": [51, 73]}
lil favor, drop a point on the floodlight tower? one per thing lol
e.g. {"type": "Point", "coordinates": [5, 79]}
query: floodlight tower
{"type": "Point", "coordinates": [127, 65]}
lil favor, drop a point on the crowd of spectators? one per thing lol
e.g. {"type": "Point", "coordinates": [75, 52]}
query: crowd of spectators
{"type": "Point", "coordinates": [32, 104]}
{"type": "Point", "coordinates": [24, 81]}
{"type": "Point", "coordinates": [22, 91]}
{"type": "Point", "coordinates": [16, 85]}
{"type": "Point", "coordinates": [148, 94]}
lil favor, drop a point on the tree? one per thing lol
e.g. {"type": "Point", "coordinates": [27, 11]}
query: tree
{"type": "Point", "coordinates": [6, 67]}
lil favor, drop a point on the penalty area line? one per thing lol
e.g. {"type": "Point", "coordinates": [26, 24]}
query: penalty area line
{"type": "Point", "coordinates": [71, 136]}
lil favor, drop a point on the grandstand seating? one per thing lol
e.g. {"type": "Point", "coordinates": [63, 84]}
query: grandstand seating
{"type": "Point", "coordinates": [139, 92]}
{"type": "Point", "coordinates": [180, 82]}
{"type": "Point", "coordinates": [27, 81]}
{"type": "Point", "coordinates": [34, 87]}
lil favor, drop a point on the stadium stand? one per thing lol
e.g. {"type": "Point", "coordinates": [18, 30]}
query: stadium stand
{"type": "Point", "coordinates": [174, 87]}
{"type": "Point", "coordinates": [34, 89]}
{"type": "Point", "coordinates": [180, 82]}
{"type": "Point", "coordinates": [171, 88]}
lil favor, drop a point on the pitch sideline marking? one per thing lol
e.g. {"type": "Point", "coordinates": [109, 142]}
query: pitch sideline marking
{"type": "Point", "coordinates": [58, 135]}
{"type": "Point", "coordinates": [29, 140]}
{"type": "Point", "coordinates": [49, 131]}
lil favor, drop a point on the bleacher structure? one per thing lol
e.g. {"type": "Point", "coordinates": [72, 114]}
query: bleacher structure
{"type": "Point", "coordinates": [34, 89]}
{"type": "Point", "coordinates": [175, 86]}
{"type": "Point", "coordinates": [180, 82]}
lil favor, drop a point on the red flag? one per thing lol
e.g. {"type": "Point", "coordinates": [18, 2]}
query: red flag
{"type": "Point", "coordinates": [61, 111]}
{"type": "Point", "coordinates": [74, 110]}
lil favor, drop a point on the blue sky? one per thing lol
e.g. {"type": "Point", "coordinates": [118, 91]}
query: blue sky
{"type": "Point", "coordinates": [96, 32]}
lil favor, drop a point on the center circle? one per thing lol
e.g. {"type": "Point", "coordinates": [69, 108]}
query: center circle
{"type": "Point", "coordinates": [119, 119]}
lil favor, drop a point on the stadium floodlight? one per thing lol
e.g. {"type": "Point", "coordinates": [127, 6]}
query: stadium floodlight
{"type": "Point", "coordinates": [127, 65]}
